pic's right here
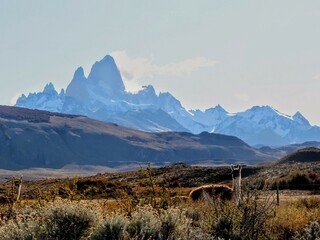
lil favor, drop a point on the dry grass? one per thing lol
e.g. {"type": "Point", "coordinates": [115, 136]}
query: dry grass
{"type": "Point", "coordinates": [293, 215]}
{"type": "Point", "coordinates": [192, 220]}
{"type": "Point", "coordinates": [115, 202]}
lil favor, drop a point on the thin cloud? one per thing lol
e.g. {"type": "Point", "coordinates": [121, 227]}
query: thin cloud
{"type": "Point", "coordinates": [138, 68]}
{"type": "Point", "coordinates": [316, 77]}
{"type": "Point", "coordinates": [14, 99]}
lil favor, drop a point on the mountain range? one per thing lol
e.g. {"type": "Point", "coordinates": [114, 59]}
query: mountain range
{"type": "Point", "coordinates": [42, 139]}
{"type": "Point", "coordinates": [102, 96]}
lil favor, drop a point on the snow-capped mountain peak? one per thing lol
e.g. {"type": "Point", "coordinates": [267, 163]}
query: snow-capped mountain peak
{"type": "Point", "coordinates": [299, 118]}
{"type": "Point", "coordinates": [257, 113]}
{"type": "Point", "coordinates": [216, 109]}
{"type": "Point", "coordinates": [102, 96]}
{"type": "Point", "coordinates": [211, 117]}
{"type": "Point", "coordinates": [168, 101]}
{"type": "Point", "coordinates": [105, 77]}
{"type": "Point", "coordinates": [147, 95]}
{"type": "Point", "coordinates": [50, 90]}
{"type": "Point", "coordinates": [79, 74]}
{"type": "Point", "coordinates": [78, 87]}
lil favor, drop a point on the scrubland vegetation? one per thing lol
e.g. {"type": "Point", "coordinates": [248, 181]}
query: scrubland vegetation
{"type": "Point", "coordinates": [98, 208]}
{"type": "Point", "coordinates": [256, 217]}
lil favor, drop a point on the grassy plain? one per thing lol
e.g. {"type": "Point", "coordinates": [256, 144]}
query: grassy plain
{"type": "Point", "coordinates": [152, 203]}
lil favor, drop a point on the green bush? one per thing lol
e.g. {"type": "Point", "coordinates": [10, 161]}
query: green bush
{"type": "Point", "coordinates": [66, 223]}
{"type": "Point", "coordinates": [19, 230]}
{"type": "Point", "coordinates": [147, 223]}
{"type": "Point", "coordinates": [223, 229]}
{"type": "Point", "coordinates": [194, 215]}
{"type": "Point", "coordinates": [144, 224]}
{"type": "Point", "coordinates": [112, 228]}
{"type": "Point", "coordinates": [174, 224]}
{"type": "Point", "coordinates": [311, 232]}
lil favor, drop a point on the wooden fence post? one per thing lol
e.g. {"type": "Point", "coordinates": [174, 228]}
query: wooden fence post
{"type": "Point", "coordinates": [278, 198]}
{"type": "Point", "coordinates": [19, 189]}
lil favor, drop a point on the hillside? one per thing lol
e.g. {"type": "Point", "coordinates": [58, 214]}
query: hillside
{"type": "Point", "coordinates": [33, 138]}
{"type": "Point", "coordinates": [310, 154]}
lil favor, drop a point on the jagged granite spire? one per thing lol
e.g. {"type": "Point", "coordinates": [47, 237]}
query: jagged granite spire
{"type": "Point", "coordinates": [106, 77]}
{"type": "Point", "coordinates": [77, 88]}
{"type": "Point", "coordinates": [49, 89]}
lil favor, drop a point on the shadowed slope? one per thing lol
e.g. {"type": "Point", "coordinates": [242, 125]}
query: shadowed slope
{"type": "Point", "coordinates": [33, 138]}
{"type": "Point", "coordinates": [310, 154]}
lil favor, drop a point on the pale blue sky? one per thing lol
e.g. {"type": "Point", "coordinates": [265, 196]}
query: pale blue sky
{"type": "Point", "coordinates": [234, 53]}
